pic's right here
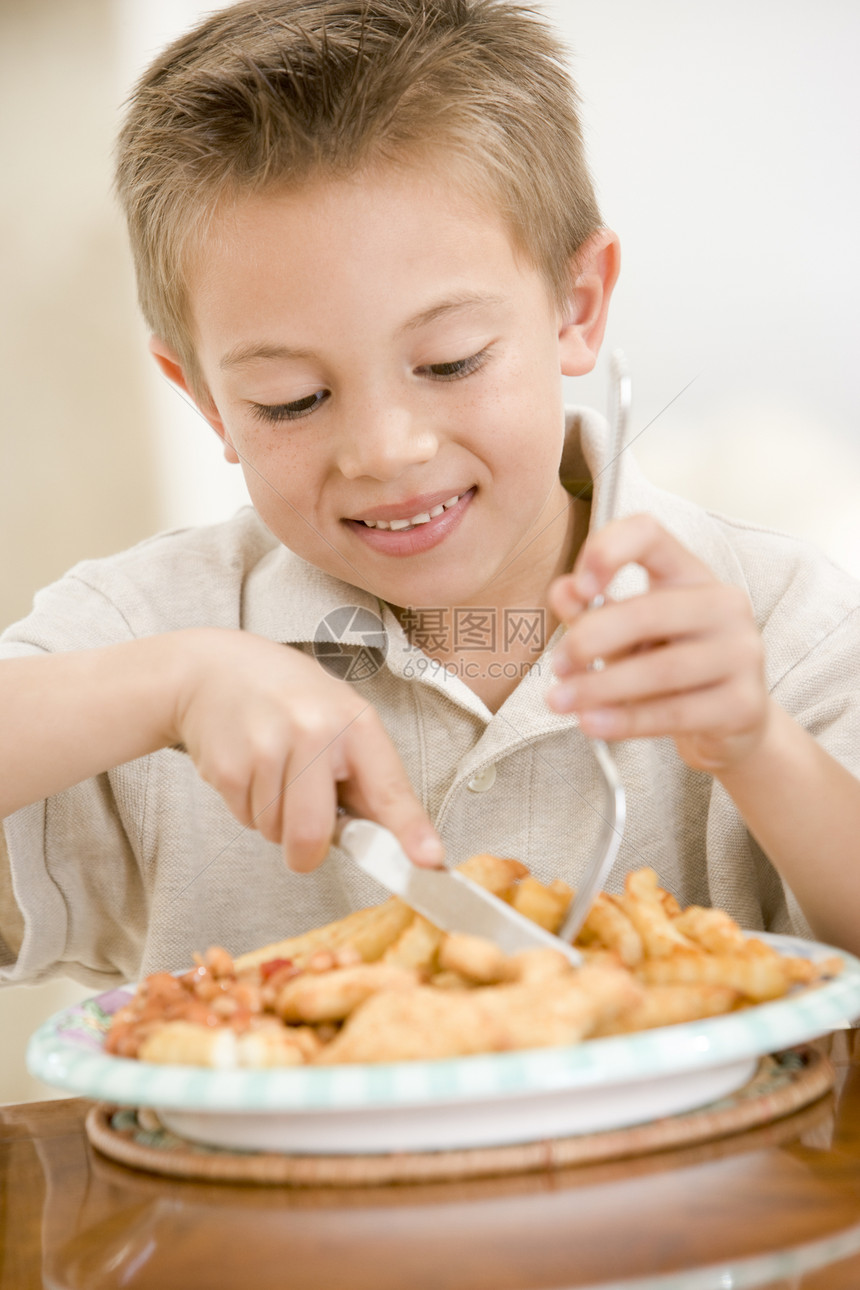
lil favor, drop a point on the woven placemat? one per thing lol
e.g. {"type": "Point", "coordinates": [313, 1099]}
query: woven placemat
{"type": "Point", "coordinates": [782, 1084]}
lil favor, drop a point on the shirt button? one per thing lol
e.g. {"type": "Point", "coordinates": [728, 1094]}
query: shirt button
{"type": "Point", "coordinates": [484, 779]}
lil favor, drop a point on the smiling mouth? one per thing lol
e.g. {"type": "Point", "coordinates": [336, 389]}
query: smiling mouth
{"type": "Point", "coordinates": [414, 521]}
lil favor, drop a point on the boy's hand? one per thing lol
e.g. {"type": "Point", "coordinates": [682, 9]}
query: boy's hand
{"type": "Point", "coordinates": [684, 660]}
{"type": "Point", "coordinates": [283, 741]}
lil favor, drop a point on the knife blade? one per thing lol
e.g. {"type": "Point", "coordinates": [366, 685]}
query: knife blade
{"type": "Point", "coordinates": [448, 899]}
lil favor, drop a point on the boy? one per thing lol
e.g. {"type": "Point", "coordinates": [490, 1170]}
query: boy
{"type": "Point", "coordinates": [367, 246]}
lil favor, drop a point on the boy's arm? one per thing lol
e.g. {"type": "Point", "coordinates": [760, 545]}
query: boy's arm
{"type": "Point", "coordinates": [686, 660]}
{"type": "Point", "coordinates": [803, 808]}
{"type": "Point", "coordinates": [275, 734]}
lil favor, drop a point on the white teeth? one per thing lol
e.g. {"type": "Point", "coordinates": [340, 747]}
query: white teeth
{"type": "Point", "coordinates": [424, 518]}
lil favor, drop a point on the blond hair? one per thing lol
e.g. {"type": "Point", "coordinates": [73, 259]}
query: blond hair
{"type": "Point", "coordinates": [268, 93]}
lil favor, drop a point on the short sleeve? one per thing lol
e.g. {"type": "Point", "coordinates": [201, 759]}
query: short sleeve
{"type": "Point", "coordinates": [822, 691]}
{"type": "Point", "coordinates": [71, 898]}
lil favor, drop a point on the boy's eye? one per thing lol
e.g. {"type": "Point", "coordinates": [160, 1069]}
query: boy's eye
{"type": "Point", "coordinates": [453, 371]}
{"type": "Point", "coordinates": [289, 411]}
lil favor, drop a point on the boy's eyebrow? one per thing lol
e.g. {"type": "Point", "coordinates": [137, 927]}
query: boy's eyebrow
{"type": "Point", "coordinates": [466, 300]}
{"type": "Point", "coordinates": [248, 353]}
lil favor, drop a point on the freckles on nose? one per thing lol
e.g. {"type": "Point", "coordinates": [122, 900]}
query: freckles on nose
{"type": "Point", "coordinates": [385, 451]}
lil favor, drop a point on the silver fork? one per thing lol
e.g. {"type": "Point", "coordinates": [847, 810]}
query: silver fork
{"type": "Point", "coordinates": [614, 811]}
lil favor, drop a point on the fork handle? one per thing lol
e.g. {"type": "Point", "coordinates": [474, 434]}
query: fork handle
{"type": "Point", "coordinates": [611, 833]}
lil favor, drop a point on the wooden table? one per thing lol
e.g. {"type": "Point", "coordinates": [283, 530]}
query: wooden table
{"type": "Point", "coordinates": [776, 1207]}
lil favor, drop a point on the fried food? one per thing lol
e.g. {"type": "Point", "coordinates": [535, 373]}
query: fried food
{"type": "Point", "coordinates": [710, 928]}
{"type": "Point", "coordinates": [754, 976]}
{"type": "Point", "coordinates": [417, 946]}
{"type": "Point", "coordinates": [545, 906]}
{"type": "Point", "coordinates": [539, 964]}
{"type": "Point", "coordinates": [608, 925]}
{"type": "Point", "coordinates": [331, 996]}
{"type": "Point", "coordinates": [368, 931]}
{"type": "Point", "coordinates": [385, 984]}
{"type": "Point", "coordinates": [667, 1005]}
{"type": "Point", "coordinates": [474, 957]}
{"type": "Point", "coordinates": [428, 1024]}
{"type": "Point", "coordinates": [642, 904]}
{"type": "Point", "coordinates": [496, 873]}
{"type": "Point", "coordinates": [187, 1043]}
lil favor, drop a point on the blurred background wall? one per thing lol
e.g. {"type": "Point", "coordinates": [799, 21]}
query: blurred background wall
{"type": "Point", "coordinates": [724, 143]}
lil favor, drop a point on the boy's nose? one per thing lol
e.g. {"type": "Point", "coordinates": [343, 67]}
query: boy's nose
{"type": "Point", "coordinates": [383, 443]}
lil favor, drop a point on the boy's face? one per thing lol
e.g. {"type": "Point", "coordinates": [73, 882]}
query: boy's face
{"type": "Point", "coordinates": [375, 349]}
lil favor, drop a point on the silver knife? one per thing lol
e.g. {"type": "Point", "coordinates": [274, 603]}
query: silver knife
{"type": "Point", "coordinates": [448, 899]}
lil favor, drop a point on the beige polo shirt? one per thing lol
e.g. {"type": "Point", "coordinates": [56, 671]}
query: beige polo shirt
{"type": "Point", "coordinates": [131, 871]}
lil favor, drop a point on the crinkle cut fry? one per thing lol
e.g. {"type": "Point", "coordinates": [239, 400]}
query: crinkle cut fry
{"type": "Point", "coordinates": [713, 929]}
{"type": "Point", "coordinates": [642, 904]}
{"type": "Point", "coordinates": [757, 978]}
{"type": "Point", "coordinates": [369, 931]}
{"type": "Point", "coordinates": [608, 924]}
{"type": "Point", "coordinates": [668, 1005]}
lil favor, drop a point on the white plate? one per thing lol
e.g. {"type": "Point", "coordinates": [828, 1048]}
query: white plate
{"type": "Point", "coordinates": [463, 1102]}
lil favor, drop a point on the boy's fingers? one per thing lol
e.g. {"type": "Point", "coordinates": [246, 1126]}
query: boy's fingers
{"type": "Point", "coordinates": [666, 670]}
{"type": "Point", "coordinates": [308, 813]}
{"type": "Point", "coordinates": [267, 798]}
{"type": "Point", "coordinates": [636, 539]}
{"type": "Point", "coordinates": [564, 599]}
{"type": "Point", "coordinates": [713, 713]}
{"type": "Point", "coordinates": [379, 789]}
{"type": "Point", "coordinates": [666, 613]}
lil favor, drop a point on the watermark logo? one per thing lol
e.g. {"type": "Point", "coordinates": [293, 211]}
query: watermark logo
{"type": "Point", "coordinates": [351, 643]}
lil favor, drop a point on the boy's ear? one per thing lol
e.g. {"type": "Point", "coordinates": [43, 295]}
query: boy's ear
{"type": "Point", "coordinates": [593, 275]}
{"type": "Point", "coordinates": [170, 365]}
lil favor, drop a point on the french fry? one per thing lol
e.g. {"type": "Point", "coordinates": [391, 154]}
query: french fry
{"type": "Point", "coordinates": [712, 928]}
{"type": "Point", "coordinates": [642, 904]}
{"type": "Point", "coordinates": [474, 957]}
{"type": "Point", "coordinates": [667, 1005]}
{"type": "Point", "coordinates": [529, 967]}
{"type": "Point", "coordinates": [481, 962]}
{"type": "Point", "coordinates": [331, 996]}
{"type": "Point", "coordinates": [609, 926]}
{"type": "Point", "coordinates": [450, 981]}
{"type": "Point", "coordinates": [756, 977]}
{"type": "Point", "coordinates": [417, 946]}
{"type": "Point", "coordinates": [369, 931]}
{"type": "Point", "coordinates": [495, 873]}
{"type": "Point", "coordinates": [545, 906]}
